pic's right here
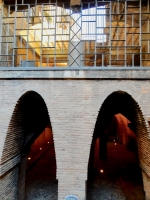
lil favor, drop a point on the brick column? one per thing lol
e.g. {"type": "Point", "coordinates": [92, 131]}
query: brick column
{"type": "Point", "coordinates": [70, 185]}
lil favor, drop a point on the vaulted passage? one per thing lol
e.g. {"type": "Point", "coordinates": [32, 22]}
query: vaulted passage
{"type": "Point", "coordinates": [38, 150]}
{"type": "Point", "coordinates": [41, 168]}
{"type": "Point", "coordinates": [114, 171]}
{"type": "Point", "coordinates": [30, 141]}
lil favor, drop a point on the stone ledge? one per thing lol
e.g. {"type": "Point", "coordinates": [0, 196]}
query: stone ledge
{"type": "Point", "coordinates": [47, 73]}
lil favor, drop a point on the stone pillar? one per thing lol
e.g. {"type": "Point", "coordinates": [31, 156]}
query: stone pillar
{"type": "Point", "coordinates": [71, 186]}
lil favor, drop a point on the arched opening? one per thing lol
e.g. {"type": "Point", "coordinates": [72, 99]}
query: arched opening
{"type": "Point", "coordinates": [32, 140]}
{"type": "Point", "coordinates": [114, 171]}
{"type": "Point", "coordinates": [41, 168]}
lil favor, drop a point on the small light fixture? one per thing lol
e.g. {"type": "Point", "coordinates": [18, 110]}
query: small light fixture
{"type": "Point", "coordinates": [115, 143]}
{"type": "Point", "coordinates": [101, 170]}
{"type": "Point", "coordinates": [114, 140]}
{"type": "Point", "coordinates": [29, 158]}
{"type": "Point", "coordinates": [40, 148]}
{"type": "Point", "coordinates": [48, 142]}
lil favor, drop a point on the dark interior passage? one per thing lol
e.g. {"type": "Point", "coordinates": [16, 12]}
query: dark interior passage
{"type": "Point", "coordinates": [118, 177]}
{"type": "Point", "coordinates": [114, 171]}
{"type": "Point", "coordinates": [41, 169]}
{"type": "Point", "coordinates": [32, 119]}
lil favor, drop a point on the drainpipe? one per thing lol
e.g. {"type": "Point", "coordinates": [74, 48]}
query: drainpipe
{"type": "Point", "coordinates": [1, 6]}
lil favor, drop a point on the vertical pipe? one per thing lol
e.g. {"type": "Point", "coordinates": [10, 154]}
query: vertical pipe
{"type": "Point", "coordinates": [125, 32]}
{"type": "Point", "coordinates": [95, 56]}
{"type": "Point", "coordinates": [21, 38]}
{"type": "Point", "coordinates": [41, 47]}
{"type": "Point", "coordinates": [14, 44]}
{"type": "Point", "coordinates": [88, 29]}
{"type": "Point", "coordinates": [110, 34]}
{"type": "Point", "coordinates": [27, 43]}
{"type": "Point", "coordinates": [102, 59]}
{"type": "Point", "coordinates": [133, 60]}
{"type": "Point", "coordinates": [8, 35]}
{"type": "Point", "coordinates": [132, 19]}
{"type": "Point", "coordinates": [1, 22]}
{"type": "Point", "coordinates": [55, 45]}
{"type": "Point", "coordinates": [140, 38]}
{"type": "Point", "coordinates": [117, 54]}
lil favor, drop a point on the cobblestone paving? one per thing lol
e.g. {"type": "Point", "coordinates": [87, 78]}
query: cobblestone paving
{"type": "Point", "coordinates": [121, 179]}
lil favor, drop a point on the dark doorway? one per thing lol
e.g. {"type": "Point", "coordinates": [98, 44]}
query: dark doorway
{"type": "Point", "coordinates": [113, 171]}
{"type": "Point", "coordinates": [37, 171]}
{"type": "Point", "coordinates": [41, 180]}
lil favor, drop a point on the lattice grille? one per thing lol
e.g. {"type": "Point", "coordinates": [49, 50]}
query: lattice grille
{"type": "Point", "coordinates": [104, 33]}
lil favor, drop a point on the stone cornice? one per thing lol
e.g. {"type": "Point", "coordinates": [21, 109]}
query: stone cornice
{"type": "Point", "coordinates": [74, 73]}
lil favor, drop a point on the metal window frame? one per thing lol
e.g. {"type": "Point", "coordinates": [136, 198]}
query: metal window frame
{"type": "Point", "coordinates": [81, 54]}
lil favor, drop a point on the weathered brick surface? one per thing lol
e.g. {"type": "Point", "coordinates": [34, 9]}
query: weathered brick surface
{"type": "Point", "coordinates": [73, 107]}
{"type": "Point", "coordinates": [8, 185]}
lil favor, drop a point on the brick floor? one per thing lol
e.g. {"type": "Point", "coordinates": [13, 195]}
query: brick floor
{"type": "Point", "coordinates": [121, 179]}
{"type": "Point", "coordinates": [41, 181]}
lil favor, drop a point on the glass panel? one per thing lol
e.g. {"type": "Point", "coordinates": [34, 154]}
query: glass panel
{"type": "Point", "coordinates": [104, 33]}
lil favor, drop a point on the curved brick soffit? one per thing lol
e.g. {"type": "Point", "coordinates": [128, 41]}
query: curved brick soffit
{"type": "Point", "coordinates": [23, 138]}
{"type": "Point", "coordinates": [133, 92]}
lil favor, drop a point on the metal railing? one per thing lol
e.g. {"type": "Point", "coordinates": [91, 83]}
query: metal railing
{"type": "Point", "coordinates": [102, 34]}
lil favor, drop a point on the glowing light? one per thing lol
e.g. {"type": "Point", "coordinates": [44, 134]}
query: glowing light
{"type": "Point", "coordinates": [114, 140]}
{"type": "Point", "coordinates": [40, 148]}
{"type": "Point", "coordinates": [48, 142]}
{"type": "Point", "coordinates": [115, 143]}
{"type": "Point", "coordinates": [29, 158]}
{"type": "Point", "coordinates": [101, 170]}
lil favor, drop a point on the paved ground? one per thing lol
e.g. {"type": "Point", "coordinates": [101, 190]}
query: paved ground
{"type": "Point", "coordinates": [41, 181]}
{"type": "Point", "coordinates": [121, 179]}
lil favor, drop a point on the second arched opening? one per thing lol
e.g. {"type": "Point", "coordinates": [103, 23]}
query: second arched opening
{"type": "Point", "coordinates": [114, 171]}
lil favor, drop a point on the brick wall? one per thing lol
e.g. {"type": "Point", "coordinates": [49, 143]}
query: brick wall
{"type": "Point", "coordinates": [73, 107]}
